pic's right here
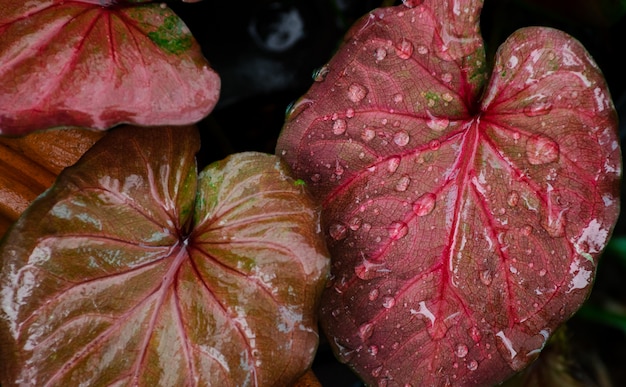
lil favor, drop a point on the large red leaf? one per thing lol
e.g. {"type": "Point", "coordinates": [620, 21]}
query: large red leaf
{"type": "Point", "coordinates": [464, 225]}
{"type": "Point", "coordinates": [79, 63]}
{"type": "Point", "coordinates": [122, 274]}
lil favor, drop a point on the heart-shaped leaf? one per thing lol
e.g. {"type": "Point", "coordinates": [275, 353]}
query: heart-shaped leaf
{"type": "Point", "coordinates": [131, 269]}
{"type": "Point", "coordinates": [78, 63]}
{"type": "Point", "coordinates": [464, 217]}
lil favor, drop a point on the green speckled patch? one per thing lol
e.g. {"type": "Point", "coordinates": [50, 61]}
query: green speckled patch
{"type": "Point", "coordinates": [172, 36]}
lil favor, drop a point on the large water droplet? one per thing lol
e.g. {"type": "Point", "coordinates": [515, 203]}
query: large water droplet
{"type": "Point", "coordinates": [403, 184]}
{"type": "Point", "coordinates": [438, 124]}
{"type": "Point", "coordinates": [367, 270]}
{"type": "Point", "coordinates": [337, 231]}
{"type": "Point", "coordinates": [339, 127]}
{"type": "Point", "coordinates": [393, 164]}
{"type": "Point", "coordinates": [401, 138]}
{"type": "Point", "coordinates": [355, 223]}
{"type": "Point", "coordinates": [366, 330]}
{"type": "Point", "coordinates": [398, 230]}
{"type": "Point", "coordinates": [461, 350]}
{"type": "Point", "coordinates": [475, 334]}
{"type": "Point", "coordinates": [368, 134]}
{"type": "Point", "coordinates": [472, 365]}
{"type": "Point", "coordinates": [541, 150]}
{"type": "Point", "coordinates": [404, 49]}
{"type": "Point", "coordinates": [320, 74]}
{"type": "Point", "coordinates": [412, 3]}
{"type": "Point", "coordinates": [425, 204]}
{"type": "Point", "coordinates": [538, 108]}
{"type": "Point", "coordinates": [380, 53]}
{"type": "Point", "coordinates": [356, 92]}
{"type": "Point", "coordinates": [389, 302]}
{"type": "Point", "coordinates": [486, 277]}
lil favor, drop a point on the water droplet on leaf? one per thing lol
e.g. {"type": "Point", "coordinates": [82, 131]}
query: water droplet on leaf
{"type": "Point", "coordinates": [401, 138]}
{"type": "Point", "coordinates": [389, 302]}
{"type": "Point", "coordinates": [461, 350]}
{"type": "Point", "coordinates": [380, 53]}
{"type": "Point", "coordinates": [434, 145]}
{"type": "Point", "coordinates": [475, 334]}
{"type": "Point", "coordinates": [404, 49]}
{"type": "Point", "coordinates": [538, 108]}
{"type": "Point", "coordinates": [356, 92]}
{"type": "Point", "coordinates": [403, 183]}
{"type": "Point", "coordinates": [512, 198]}
{"type": "Point", "coordinates": [368, 134]}
{"type": "Point", "coordinates": [398, 230]}
{"type": "Point", "coordinates": [486, 277]}
{"type": "Point", "coordinates": [425, 204]}
{"type": "Point", "coordinates": [472, 365]}
{"type": "Point", "coordinates": [438, 124]}
{"type": "Point", "coordinates": [337, 231]}
{"type": "Point", "coordinates": [541, 150]}
{"type": "Point", "coordinates": [393, 164]}
{"type": "Point", "coordinates": [366, 331]}
{"type": "Point", "coordinates": [412, 3]}
{"type": "Point", "coordinates": [373, 295]}
{"type": "Point", "coordinates": [320, 74]}
{"type": "Point", "coordinates": [339, 127]}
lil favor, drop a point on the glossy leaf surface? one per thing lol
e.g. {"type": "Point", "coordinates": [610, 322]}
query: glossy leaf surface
{"type": "Point", "coordinates": [29, 165]}
{"type": "Point", "coordinates": [465, 211]}
{"type": "Point", "coordinates": [133, 270]}
{"type": "Point", "coordinates": [77, 63]}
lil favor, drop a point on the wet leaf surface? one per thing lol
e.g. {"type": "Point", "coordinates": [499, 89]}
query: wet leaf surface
{"type": "Point", "coordinates": [97, 67]}
{"type": "Point", "coordinates": [465, 210]}
{"type": "Point", "coordinates": [135, 269]}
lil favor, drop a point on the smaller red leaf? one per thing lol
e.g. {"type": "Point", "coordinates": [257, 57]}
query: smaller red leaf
{"type": "Point", "coordinates": [78, 63]}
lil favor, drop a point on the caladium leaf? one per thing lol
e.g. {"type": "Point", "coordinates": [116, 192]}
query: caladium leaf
{"type": "Point", "coordinates": [132, 269]}
{"type": "Point", "coordinates": [465, 211]}
{"type": "Point", "coordinates": [78, 63]}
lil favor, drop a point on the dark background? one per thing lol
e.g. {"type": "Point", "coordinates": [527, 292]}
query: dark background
{"type": "Point", "coordinates": [263, 68]}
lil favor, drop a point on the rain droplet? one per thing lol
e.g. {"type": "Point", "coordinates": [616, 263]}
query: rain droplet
{"type": "Point", "coordinates": [434, 145]}
{"type": "Point", "coordinates": [367, 270]}
{"type": "Point", "coordinates": [339, 127]}
{"type": "Point", "coordinates": [554, 224]}
{"type": "Point", "coordinates": [356, 92]}
{"type": "Point", "coordinates": [542, 272]}
{"type": "Point", "coordinates": [486, 277]}
{"type": "Point", "coordinates": [538, 108]}
{"type": "Point", "coordinates": [366, 331]}
{"type": "Point", "coordinates": [512, 199]}
{"type": "Point", "coordinates": [403, 183]}
{"type": "Point", "coordinates": [380, 53]}
{"type": "Point", "coordinates": [355, 223]}
{"type": "Point", "coordinates": [447, 97]}
{"type": "Point", "coordinates": [438, 124]}
{"type": "Point", "coordinates": [393, 164]}
{"type": "Point", "coordinates": [401, 138]}
{"type": "Point", "coordinates": [373, 295]}
{"type": "Point", "coordinates": [349, 113]}
{"type": "Point", "coordinates": [320, 74]}
{"type": "Point", "coordinates": [461, 350]}
{"type": "Point", "coordinates": [389, 302]}
{"type": "Point", "coordinates": [397, 98]}
{"type": "Point", "coordinates": [398, 230]}
{"type": "Point", "coordinates": [472, 365]}
{"type": "Point", "coordinates": [422, 50]}
{"type": "Point", "coordinates": [315, 177]}
{"type": "Point", "coordinates": [337, 231]}
{"type": "Point", "coordinates": [404, 49]}
{"type": "Point", "coordinates": [368, 134]}
{"type": "Point", "coordinates": [412, 3]}
{"type": "Point", "coordinates": [373, 350]}
{"type": "Point", "coordinates": [475, 334]}
{"type": "Point", "coordinates": [446, 77]}
{"type": "Point", "coordinates": [541, 150]}
{"type": "Point", "coordinates": [376, 371]}
{"type": "Point", "coordinates": [425, 204]}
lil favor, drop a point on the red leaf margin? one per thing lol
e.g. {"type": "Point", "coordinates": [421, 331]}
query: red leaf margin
{"type": "Point", "coordinates": [73, 63]}
{"type": "Point", "coordinates": [463, 229]}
